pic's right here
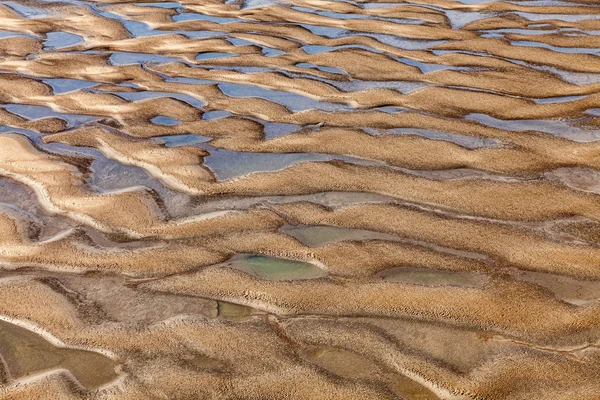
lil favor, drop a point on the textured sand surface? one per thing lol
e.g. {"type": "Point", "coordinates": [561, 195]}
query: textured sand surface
{"type": "Point", "coordinates": [300, 199]}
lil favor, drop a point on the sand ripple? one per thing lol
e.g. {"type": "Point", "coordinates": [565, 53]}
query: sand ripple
{"type": "Point", "coordinates": [299, 199]}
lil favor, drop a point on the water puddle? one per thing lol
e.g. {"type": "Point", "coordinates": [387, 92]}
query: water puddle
{"type": "Point", "coordinates": [234, 312]}
{"type": "Point", "coordinates": [25, 11]}
{"type": "Point", "coordinates": [39, 112]}
{"type": "Point", "coordinates": [321, 235]}
{"type": "Point", "coordinates": [324, 30]}
{"type": "Point", "coordinates": [111, 176]}
{"type": "Point", "coordinates": [410, 390]}
{"type": "Point", "coordinates": [160, 5]}
{"type": "Point", "coordinates": [344, 363]}
{"type": "Point", "coordinates": [560, 99]}
{"type": "Point", "coordinates": [124, 58]}
{"type": "Point", "coordinates": [568, 50]}
{"type": "Point", "coordinates": [458, 19]}
{"type": "Point", "coordinates": [560, 17]}
{"type": "Point", "coordinates": [214, 55]}
{"type": "Point", "coordinates": [190, 16]}
{"type": "Point", "coordinates": [292, 101]}
{"type": "Point", "coordinates": [144, 95]}
{"type": "Point", "coordinates": [269, 52]}
{"type": "Point", "coordinates": [228, 164]}
{"type": "Point", "coordinates": [350, 365]}
{"type": "Point", "coordinates": [575, 291]}
{"type": "Point", "coordinates": [60, 86]}
{"type": "Point", "coordinates": [331, 70]}
{"type": "Point", "coordinates": [554, 127]}
{"type": "Point", "coordinates": [276, 129]}
{"type": "Point", "coordinates": [27, 353]}
{"type": "Point", "coordinates": [576, 78]}
{"type": "Point", "coordinates": [215, 114]}
{"type": "Point", "coordinates": [401, 42]}
{"type": "Point", "coordinates": [8, 34]}
{"type": "Point", "coordinates": [59, 40]}
{"type": "Point", "coordinates": [425, 68]}
{"type": "Point", "coordinates": [276, 269]}
{"type": "Point", "coordinates": [470, 142]}
{"type": "Point", "coordinates": [249, 4]}
{"type": "Point", "coordinates": [181, 140]}
{"type": "Point", "coordinates": [165, 121]}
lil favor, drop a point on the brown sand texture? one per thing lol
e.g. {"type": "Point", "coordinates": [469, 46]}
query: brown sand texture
{"type": "Point", "coordinates": [300, 199]}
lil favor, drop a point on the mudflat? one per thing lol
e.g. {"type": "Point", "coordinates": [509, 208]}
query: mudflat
{"type": "Point", "coordinates": [300, 199]}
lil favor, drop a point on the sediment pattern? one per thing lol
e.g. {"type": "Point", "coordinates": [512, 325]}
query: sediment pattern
{"type": "Point", "coordinates": [300, 199]}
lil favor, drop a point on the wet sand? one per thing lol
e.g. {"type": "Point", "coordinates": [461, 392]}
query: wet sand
{"type": "Point", "coordinates": [299, 199]}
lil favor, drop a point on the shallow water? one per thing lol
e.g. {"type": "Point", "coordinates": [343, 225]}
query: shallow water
{"type": "Point", "coordinates": [27, 354]}
{"type": "Point", "coordinates": [233, 311]}
{"type": "Point", "coordinates": [323, 235]}
{"type": "Point", "coordinates": [227, 164]}
{"type": "Point", "coordinates": [348, 364]}
{"type": "Point", "coordinates": [276, 268]}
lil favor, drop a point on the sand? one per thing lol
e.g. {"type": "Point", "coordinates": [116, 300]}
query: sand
{"type": "Point", "coordinates": [299, 199]}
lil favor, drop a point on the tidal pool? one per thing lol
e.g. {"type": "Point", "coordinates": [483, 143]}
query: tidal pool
{"type": "Point", "coordinates": [277, 269]}
{"type": "Point", "coordinates": [26, 353]}
{"type": "Point", "coordinates": [321, 235]}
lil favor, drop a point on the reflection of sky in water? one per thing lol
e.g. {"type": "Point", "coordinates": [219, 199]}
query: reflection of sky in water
{"type": "Point", "coordinates": [122, 58]}
{"type": "Point", "coordinates": [214, 55]}
{"type": "Point", "coordinates": [159, 5]}
{"type": "Point", "coordinates": [37, 112]}
{"type": "Point", "coordinates": [6, 34]}
{"type": "Point", "coordinates": [369, 6]}
{"type": "Point", "coordinates": [137, 96]}
{"type": "Point", "coordinates": [593, 111]}
{"type": "Point", "coordinates": [60, 85]}
{"type": "Point", "coordinates": [140, 29]}
{"type": "Point", "coordinates": [558, 128]}
{"type": "Point", "coordinates": [351, 16]}
{"type": "Point", "coordinates": [331, 70]}
{"type": "Point", "coordinates": [458, 19]}
{"type": "Point", "coordinates": [324, 30]}
{"type": "Point", "coordinates": [165, 121]}
{"type": "Point", "coordinates": [190, 16]}
{"type": "Point", "coordinates": [400, 42]}
{"type": "Point", "coordinates": [576, 78]}
{"type": "Point", "coordinates": [292, 101]}
{"type": "Point", "coordinates": [217, 114]}
{"type": "Point", "coordinates": [240, 42]}
{"type": "Point", "coordinates": [25, 11]}
{"type": "Point", "coordinates": [577, 50]}
{"type": "Point", "coordinates": [227, 164]}
{"type": "Point", "coordinates": [59, 40]}
{"type": "Point", "coordinates": [403, 87]}
{"type": "Point", "coordinates": [560, 17]}
{"type": "Point", "coordinates": [181, 140]}
{"type": "Point", "coordinates": [269, 52]}
{"type": "Point", "coordinates": [274, 129]}
{"type": "Point", "coordinates": [58, 148]}
{"type": "Point", "coordinates": [469, 142]}
{"type": "Point", "coordinates": [256, 3]}
{"type": "Point", "coordinates": [476, 1]}
{"type": "Point", "coordinates": [318, 49]}
{"type": "Point", "coordinates": [560, 99]}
